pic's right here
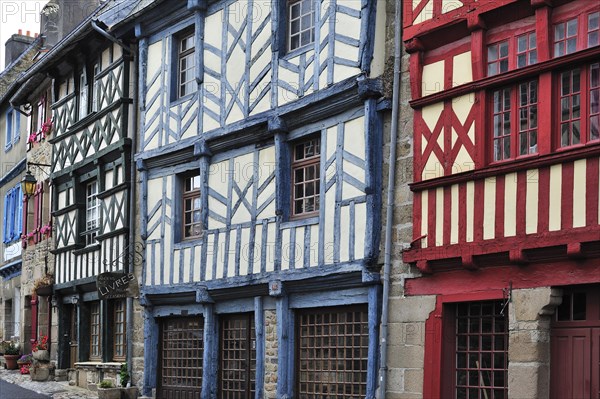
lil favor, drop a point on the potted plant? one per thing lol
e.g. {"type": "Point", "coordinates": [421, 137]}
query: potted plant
{"type": "Point", "coordinates": [43, 285]}
{"type": "Point", "coordinates": [11, 354]}
{"type": "Point", "coordinates": [124, 378]}
{"type": "Point", "coordinates": [24, 363]}
{"type": "Point", "coordinates": [40, 349]}
{"type": "Point", "coordinates": [107, 390]}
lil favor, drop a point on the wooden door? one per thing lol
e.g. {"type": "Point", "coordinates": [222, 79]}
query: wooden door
{"type": "Point", "coordinates": [237, 376]}
{"type": "Point", "coordinates": [73, 337]}
{"type": "Point", "coordinates": [575, 345]}
{"type": "Point", "coordinates": [181, 357]}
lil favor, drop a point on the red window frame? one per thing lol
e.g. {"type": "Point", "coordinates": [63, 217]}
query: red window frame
{"type": "Point", "coordinates": [582, 101]}
{"type": "Point", "coordinates": [593, 29]}
{"type": "Point", "coordinates": [520, 48]}
{"type": "Point", "coordinates": [498, 61]}
{"type": "Point", "coordinates": [514, 121]}
{"type": "Point", "coordinates": [565, 34]}
{"type": "Point", "coordinates": [526, 49]}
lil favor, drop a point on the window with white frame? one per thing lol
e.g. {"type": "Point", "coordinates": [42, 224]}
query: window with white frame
{"type": "Point", "coordinates": [186, 64]}
{"type": "Point", "coordinates": [92, 213]}
{"type": "Point", "coordinates": [301, 28]}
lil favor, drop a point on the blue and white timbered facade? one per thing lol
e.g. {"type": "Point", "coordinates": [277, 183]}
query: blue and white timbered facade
{"type": "Point", "coordinates": [259, 154]}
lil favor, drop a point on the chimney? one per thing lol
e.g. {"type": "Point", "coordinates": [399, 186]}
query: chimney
{"type": "Point", "coordinates": [15, 46]}
{"type": "Point", "coordinates": [59, 17]}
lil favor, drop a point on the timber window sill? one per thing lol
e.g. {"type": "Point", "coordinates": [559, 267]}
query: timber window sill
{"type": "Point", "coordinates": [87, 249]}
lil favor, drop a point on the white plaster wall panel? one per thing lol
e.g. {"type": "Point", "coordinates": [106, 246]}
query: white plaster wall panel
{"type": "Point", "coordinates": [314, 245]}
{"type": "Point", "coordinates": [432, 78]}
{"type": "Point", "coordinates": [108, 179]}
{"type": "Point", "coordinates": [285, 249]}
{"type": "Point", "coordinates": [244, 254]}
{"type": "Point", "coordinates": [62, 199]}
{"type": "Point", "coordinates": [425, 14]}
{"type": "Point", "coordinates": [462, 106]}
{"type": "Point", "coordinates": [166, 261]}
{"type": "Point", "coordinates": [242, 177]}
{"type": "Point", "coordinates": [210, 245]}
{"type": "Point", "coordinates": [510, 205]}
{"type": "Point", "coordinates": [454, 214]}
{"type": "Point", "coordinates": [117, 52]}
{"type": "Point", "coordinates": [299, 247]}
{"type": "Point", "coordinates": [463, 161]}
{"type": "Point", "coordinates": [329, 220]}
{"type": "Point", "coordinates": [197, 265]}
{"type": "Point", "coordinates": [462, 69]}
{"type": "Point", "coordinates": [230, 252]}
{"type": "Point", "coordinates": [449, 5]}
{"type": "Point", "coordinates": [186, 260]}
{"type": "Point", "coordinates": [431, 114]}
{"type": "Point", "coordinates": [433, 168]}
{"type": "Point", "coordinates": [532, 202]}
{"type": "Point", "coordinates": [158, 263]}
{"type": "Point", "coordinates": [489, 208]}
{"type": "Point", "coordinates": [378, 61]}
{"type": "Point", "coordinates": [579, 192]}
{"type": "Point", "coordinates": [154, 197]}
{"type": "Point", "coordinates": [258, 249]}
{"type": "Point", "coordinates": [105, 58]}
{"type": "Point", "coordinates": [291, 78]}
{"type": "Point", "coordinates": [470, 210]}
{"type": "Point", "coordinates": [345, 234]}
{"type": "Point", "coordinates": [354, 136]}
{"type": "Point", "coordinates": [212, 103]}
{"type": "Point", "coordinates": [360, 224]}
{"type": "Point", "coordinates": [424, 216]}
{"type": "Point", "coordinates": [176, 265]}
{"type": "Point", "coordinates": [270, 251]}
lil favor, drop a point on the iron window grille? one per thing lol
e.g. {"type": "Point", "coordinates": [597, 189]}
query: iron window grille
{"type": "Point", "coordinates": [306, 178]}
{"type": "Point", "coordinates": [192, 215]}
{"type": "Point", "coordinates": [481, 350]}
{"type": "Point", "coordinates": [332, 352]}
{"type": "Point", "coordinates": [301, 24]}
{"type": "Point", "coordinates": [181, 357]}
{"type": "Point", "coordinates": [237, 376]}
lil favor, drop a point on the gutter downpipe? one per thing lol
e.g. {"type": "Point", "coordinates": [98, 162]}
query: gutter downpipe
{"type": "Point", "coordinates": [132, 219]}
{"type": "Point", "coordinates": [390, 202]}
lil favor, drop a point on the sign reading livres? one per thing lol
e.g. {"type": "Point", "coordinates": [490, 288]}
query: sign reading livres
{"type": "Point", "coordinates": [113, 285]}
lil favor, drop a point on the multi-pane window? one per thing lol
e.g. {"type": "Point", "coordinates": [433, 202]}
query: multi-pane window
{"type": "Point", "coordinates": [526, 49]}
{"type": "Point", "coordinates": [95, 331]}
{"type": "Point", "coordinates": [83, 94]}
{"type": "Point", "coordinates": [570, 107]}
{"type": "Point", "coordinates": [481, 350]}
{"type": "Point", "coordinates": [13, 127]}
{"type": "Point", "coordinates": [565, 37]}
{"type": "Point", "coordinates": [186, 80]}
{"type": "Point", "coordinates": [333, 351]}
{"type": "Point", "coordinates": [237, 376]}
{"type": "Point", "coordinates": [92, 213]}
{"type": "Point", "coordinates": [192, 221]}
{"type": "Point", "coordinates": [593, 29]}
{"type": "Point", "coordinates": [515, 120]}
{"type": "Point", "coordinates": [301, 23]}
{"type": "Point", "coordinates": [502, 124]}
{"type": "Point", "coordinates": [12, 217]}
{"type": "Point", "coordinates": [528, 117]}
{"type": "Point", "coordinates": [595, 101]}
{"type": "Point", "coordinates": [119, 329]}
{"type": "Point", "coordinates": [497, 58]}
{"type": "Point", "coordinates": [306, 177]}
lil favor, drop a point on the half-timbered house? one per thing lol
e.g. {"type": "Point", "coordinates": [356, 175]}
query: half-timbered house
{"type": "Point", "coordinates": [90, 109]}
{"type": "Point", "coordinates": [259, 153]}
{"type": "Point", "coordinates": [506, 96]}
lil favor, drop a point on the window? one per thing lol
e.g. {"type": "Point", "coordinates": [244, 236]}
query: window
{"type": "Point", "coordinates": [526, 49]}
{"type": "Point", "coordinates": [593, 29]}
{"type": "Point", "coordinates": [186, 65]}
{"type": "Point", "coordinates": [192, 219]}
{"type": "Point", "coordinates": [13, 126]}
{"type": "Point", "coordinates": [83, 95]}
{"type": "Point", "coordinates": [13, 215]}
{"type": "Point", "coordinates": [497, 58]}
{"type": "Point", "coordinates": [237, 377]}
{"type": "Point", "coordinates": [480, 350]}
{"type": "Point", "coordinates": [95, 331]}
{"type": "Point", "coordinates": [119, 329]}
{"type": "Point", "coordinates": [565, 37]}
{"type": "Point", "coordinates": [514, 110]}
{"type": "Point", "coordinates": [306, 177]}
{"type": "Point", "coordinates": [332, 351]}
{"type": "Point", "coordinates": [595, 101]}
{"type": "Point", "coordinates": [92, 213]}
{"type": "Point", "coordinates": [570, 107]}
{"type": "Point", "coordinates": [301, 24]}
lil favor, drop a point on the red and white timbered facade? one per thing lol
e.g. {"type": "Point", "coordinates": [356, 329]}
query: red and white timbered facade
{"type": "Point", "coordinates": [506, 100]}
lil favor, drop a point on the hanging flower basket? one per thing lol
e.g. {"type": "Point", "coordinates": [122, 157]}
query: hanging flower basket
{"type": "Point", "coordinates": [44, 290]}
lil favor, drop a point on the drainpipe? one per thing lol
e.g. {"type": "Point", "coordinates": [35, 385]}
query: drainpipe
{"type": "Point", "coordinates": [132, 207]}
{"type": "Point", "coordinates": [390, 203]}
{"type": "Point", "coordinates": [110, 37]}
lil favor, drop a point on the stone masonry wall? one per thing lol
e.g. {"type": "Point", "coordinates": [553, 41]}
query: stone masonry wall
{"type": "Point", "coordinates": [271, 354]}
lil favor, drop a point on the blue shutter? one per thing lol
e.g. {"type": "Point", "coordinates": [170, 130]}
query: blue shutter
{"type": "Point", "coordinates": [19, 215]}
{"type": "Point", "coordinates": [5, 220]}
{"type": "Point", "coordinates": [11, 216]}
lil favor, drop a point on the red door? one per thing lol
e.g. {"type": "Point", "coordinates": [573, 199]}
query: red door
{"type": "Point", "coordinates": [575, 345]}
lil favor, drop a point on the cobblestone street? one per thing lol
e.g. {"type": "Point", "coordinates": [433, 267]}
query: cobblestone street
{"type": "Point", "coordinates": [56, 390]}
